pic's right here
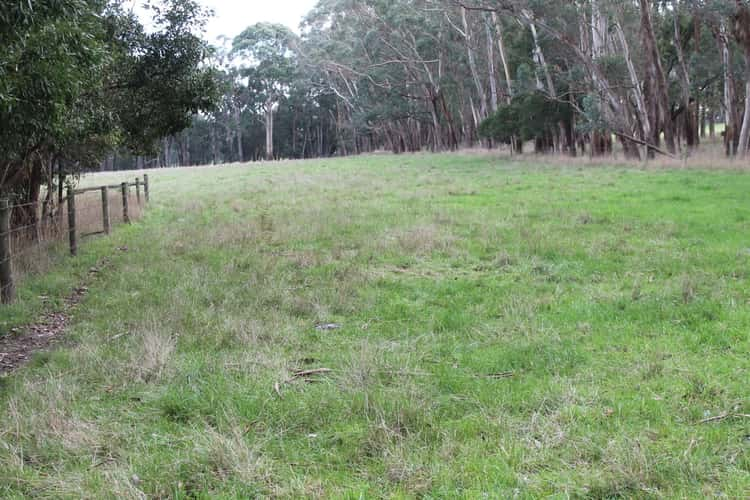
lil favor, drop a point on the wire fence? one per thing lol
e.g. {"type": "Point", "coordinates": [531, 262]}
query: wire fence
{"type": "Point", "coordinates": [33, 235]}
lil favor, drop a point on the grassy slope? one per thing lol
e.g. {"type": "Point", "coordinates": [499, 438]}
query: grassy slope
{"type": "Point", "coordinates": [619, 300]}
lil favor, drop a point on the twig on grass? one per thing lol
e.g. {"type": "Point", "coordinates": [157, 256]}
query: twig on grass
{"type": "Point", "coordinates": [723, 416]}
{"type": "Point", "coordinates": [308, 373]}
{"type": "Point", "coordinates": [501, 375]}
{"type": "Point", "coordinates": [305, 374]}
{"type": "Point", "coordinates": [119, 335]}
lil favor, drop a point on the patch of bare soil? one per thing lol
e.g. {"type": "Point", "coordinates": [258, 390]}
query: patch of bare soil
{"type": "Point", "coordinates": [17, 348]}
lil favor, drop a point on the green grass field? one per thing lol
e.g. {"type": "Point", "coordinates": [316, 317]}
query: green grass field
{"type": "Point", "coordinates": [506, 330]}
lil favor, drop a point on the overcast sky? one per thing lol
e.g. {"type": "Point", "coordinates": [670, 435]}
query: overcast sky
{"type": "Point", "coordinates": [233, 16]}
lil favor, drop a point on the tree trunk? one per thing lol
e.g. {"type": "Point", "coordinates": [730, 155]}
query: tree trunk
{"type": "Point", "coordinates": [660, 97]}
{"type": "Point", "coordinates": [186, 159]}
{"type": "Point", "coordinates": [730, 113]}
{"type": "Point", "coordinates": [745, 132]}
{"type": "Point", "coordinates": [166, 152]}
{"type": "Point", "coordinates": [238, 133]}
{"type": "Point", "coordinates": [599, 30]}
{"type": "Point", "coordinates": [503, 58]}
{"type": "Point", "coordinates": [491, 64]}
{"type": "Point", "coordinates": [541, 61]}
{"type": "Point", "coordinates": [452, 139]}
{"type": "Point", "coordinates": [645, 124]}
{"type": "Point", "coordinates": [214, 147]}
{"type": "Point", "coordinates": [560, 134]}
{"type": "Point", "coordinates": [515, 145]}
{"type": "Point", "coordinates": [690, 119]}
{"type": "Point", "coordinates": [473, 65]}
{"type": "Point", "coordinates": [269, 130]}
{"type": "Point", "coordinates": [437, 135]}
{"type": "Point", "coordinates": [742, 34]}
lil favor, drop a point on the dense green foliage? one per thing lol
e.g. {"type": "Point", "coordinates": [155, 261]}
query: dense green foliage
{"type": "Point", "coordinates": [79, 78]}
{"type": "Point", "coordinates": [528, 117]}
{"type": "Point", "coordinates": [506, 330]}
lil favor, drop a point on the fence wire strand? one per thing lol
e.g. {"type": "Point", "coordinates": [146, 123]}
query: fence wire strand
{"type": "Point", "coordinates": [32, 245]}
{"type": "Point", "coordinates": [23, 205]}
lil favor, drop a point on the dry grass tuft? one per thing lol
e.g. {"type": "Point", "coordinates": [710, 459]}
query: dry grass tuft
{"type": "Point", "coordinates": [123, 484]}
{"type": "Point", "coordinates": [152, 358]}
{"type": "Point", "coordinates": [45, 416]}
{"type": "Point", "coordinates": [229, 456]}
{"type": "Point", "coordinates": [628, 473]}
{"type": "Point", "coordinates": [710, 156]}
{"type": "Point", "coordinates": [250, 331]}
{"type": "Point", "coordinates": [414, 478]}
{"type": "Point", "coordinates": [688, 289]}
{"type": "Point", "coordinates": [419, 240]}
{"type": "Point", "coordinates": [504, 260]}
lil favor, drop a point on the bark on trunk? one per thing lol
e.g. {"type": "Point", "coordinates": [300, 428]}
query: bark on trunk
{"type": "Point", "coordinates": [658, 87]}
{"type": "Point", "coordinates": [643, 117]}
{"type": "Point", "coordinates": [491, 64]}
{"type": "Point", "coordinates": [214, 147]}
{"type": "Point", "coordinates": [730, 113]}
{"type": "Point", "coordinates": [690, 118]}
{"type": "Point", "coordinates": [745, 132]}
{"type": "Point", "coordinates": [503, 58]}
{"type": "Point", "coordinates": [473, 65]}
{"type": "Point", "coordinates": [742, 34]}
{"type": "Point", "coordinates": [238, 133]}
{"type": "Point", "coordinates": [269, 130]}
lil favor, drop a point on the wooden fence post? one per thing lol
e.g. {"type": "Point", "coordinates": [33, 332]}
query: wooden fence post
{"type": "Point", "coordinates": [72, 236]}
{"type": "Point", "coordinates": [145, 186]}
{"type": "Point", "coordinates": [8, 289]}
{"type": "Point", "coordinates": [125, 215]}
{"type": "Point", "coordinates": [138, 190]}
{"type": "Point", "coordinates": [105, 209]}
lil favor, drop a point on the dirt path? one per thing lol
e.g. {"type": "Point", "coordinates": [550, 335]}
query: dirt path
{"type": "Point", "coordinates": [17, 348]}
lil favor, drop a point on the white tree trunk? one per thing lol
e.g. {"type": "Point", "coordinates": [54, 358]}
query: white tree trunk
{"type": "Point", "coordinates": [269, 130]}
{"type": "Point", "coordinates": [503, 58]}
{"type": "Point", "coordinates": [473, 65]}
{"type": "Point", "coordinates": [238, 133]}
{"type": "Point", "coordinates": [745, 133]}
{"type": "Point", "coordinates": [491, 65]}
{"type": "Point", "coordinates": [636, 82]}
{"type": "Point", "coordinates": [541, 61]}
{"type": "Point", "coordinates": [728, 90]}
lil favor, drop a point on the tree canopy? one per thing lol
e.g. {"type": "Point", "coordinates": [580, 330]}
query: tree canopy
{"type": "Point", "coordinates": [80, 78]}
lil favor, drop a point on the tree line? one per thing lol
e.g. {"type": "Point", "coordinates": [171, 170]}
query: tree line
{"type": "Point", "coordinates": [84, 85]}
{"type": "Point", "coordinates": [645, 77]}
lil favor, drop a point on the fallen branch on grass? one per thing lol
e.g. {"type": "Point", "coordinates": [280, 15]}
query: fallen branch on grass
{"type": "Point", "coordinates": [119, 335]}
{"type": "Point", "coordinates": [309, 373]}
{"type": "Point", "coordinates": [501, 375]}
{"type": "Point", "coordinates": [723, 416]}
{"type": "Point", "coordinates": [304, 374]}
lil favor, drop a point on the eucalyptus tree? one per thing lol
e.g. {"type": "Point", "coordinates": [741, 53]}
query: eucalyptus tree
{"type": "Point", "coordinates": [269, 68]}
{"type": "Point", "coordinates": [388, 59]}
{"type": "Point", "coordinates": [639, 65]}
